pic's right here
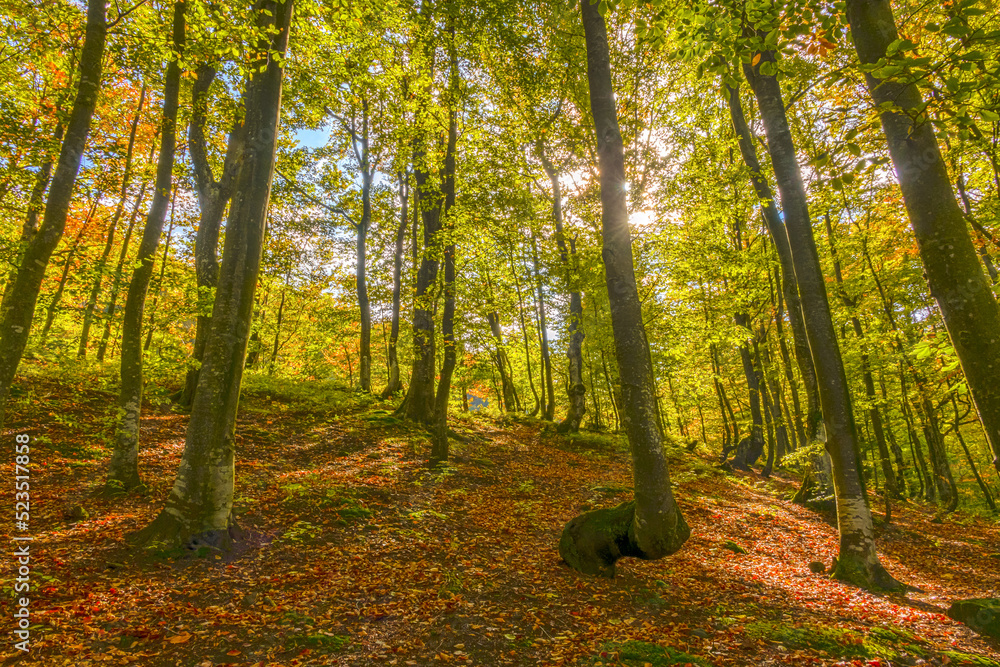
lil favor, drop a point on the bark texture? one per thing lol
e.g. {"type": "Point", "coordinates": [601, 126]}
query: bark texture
{"type": "Point", "coordinates": [198, 510]}
{"type": "Point", "coordinates": [858, 561]}
{"type": "Point", "coordinates": [213, 198]}
{"type": "Point", "coordinates": [20, 310]}
{"type": "Point", "coordinates": [953, 270]}
{"type": "Point", "coordinates": [123, 470]}
{"type": "Point", "coordinates": [652, 526]}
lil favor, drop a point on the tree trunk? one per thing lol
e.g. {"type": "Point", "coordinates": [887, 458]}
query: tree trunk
{"type": "Point", "coordinates": [36, 202]}
{"type": "Point", "coordinates": [500, 360]}
{"type": "Point", "coordinates": [524, 335]}
{"type": "Point", "coordinates": [198, 511]}
{"type": "Point", "coordinates": [95, 290]}
{"type": "Point", "coordinates": [439, 441]}
{"type": "Point", "coordinates": [897, 451]}
{"type": "Point", "coordinates": [159, 280]}
{"type": "Point", "coordinates": [419, 402]}
{"type": "Point", "coordinates": [987, 495]}
{"type": "Point", "coordinates": [953, 271]}
{"type": "Point", "coordinates": [50, 312]}
{"type": "Point", "coordinates": [779, 236]}
{"type": "Point", "coordinates": [394, 384]}
{"type": "Point", "coordinates": [123, 470]}
{"type": "Point", "coordinates": [116, 278]}
{"type": "Point", "coordinates": [750, 448]}
{"type": "Point", "coordinates": [771, 381]}
{"type": "Point", "coordinates": [574, 350]}
{"type": "Point", "coordinates": [277, 332]}
{"type": "Point", "coordinates": [213, 198]}
{"type": "Point", "coordinates": [651, 526]}
{"type": "Point", "coordinates": [19, 312]}
{"type": "Point", "coordinates": [727, 443]}
{"type": "Point", "coordinates": [858, 561]}
{"type": "Point", "coordinates": [549, 400]}
{"type": "Point", "coordinates": [874, 414]}
{"type": "Point", "coordinates": [364, 304]}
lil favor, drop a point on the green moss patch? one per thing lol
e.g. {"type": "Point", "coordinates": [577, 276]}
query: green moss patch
{"type": "Point", "coordinates": [888, 643]}
{"type": "Point", "coordinates": [638, 654]}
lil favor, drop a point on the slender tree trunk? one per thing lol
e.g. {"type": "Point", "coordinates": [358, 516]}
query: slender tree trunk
{"type": "Point", "coordinates": [771, 380]}
{"type": "Point", "coordinates": [799, 432]}
{"type": "Point", "coordinates": [20, 310]}
{"type": "Point", "coordinates": [95, 290]}
{"type": "Point", "coordinates": [953, 271]}
{"type": "Point", "coordinates": [364, 303]}
{"type": "Point", "coordinates": [500, 360]}
{"type": "Point", "coordinates": [858, 561]}
{"type": "Point", "coordinates": [574, 348]}
{"type": "Point", "coordinates": [897, 451]}
{"type": "Point", "coordinates": [277, 333]}
{"type": "Point", "coordinates": [790, 292]}
{"type": "Point", "coordinates": [750, 449]}
{"type": "Point", "coordinates": [524, 333]}
{"type": "Point", "coordinates": [198, 511]}
{"type": "Point", "coordinates": [116, 278]}
{"type": "Point", "coordinates": [987, 495]}
{"type": "Point", "coordinates": [874, 414]}
{"type": "Point", "coordinates": [123, 470]}
{"type": "Point", "coordinates": [727, 443]}
{"type": "Point", "coordinates": [163, 271]}
{"type": "Point", "coordinates": [50, 311]}
{"type": "Point", "coordinates": [651, 526]}
{"type": "Point", "coordinates": [394, 384]}
{"type": "Point", "coordinates": [213, 198]}
{"type": "Point", "coordinates": [549, 402]}
{"type": "Point", "coordinates": [439, 441]}
{"type": "Point", "coordinates": [768, 406]}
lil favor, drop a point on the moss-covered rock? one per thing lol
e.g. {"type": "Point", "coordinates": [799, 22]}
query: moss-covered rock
{"type": "Point", "coordinates": [980, 614]}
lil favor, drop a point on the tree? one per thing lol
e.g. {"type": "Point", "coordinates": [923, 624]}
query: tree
{"type": "Point", "coordinates": [954, 274]}
{"type": "Point", "coordinates": [857, 561]}
{"type": "Point", "coordinates": [20, 309]}
{"type": "Point", "coordinates": [198, 510]}
{"type": "Point", "coordinates": [651, 526]}
{"type": "Point", "coordinates": [213, 197]}
{"type": "Point", "coordinates": [123, 470]}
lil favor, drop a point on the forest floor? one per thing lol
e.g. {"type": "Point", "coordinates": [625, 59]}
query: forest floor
{"type": "Point", "coordinates": [355, 553]}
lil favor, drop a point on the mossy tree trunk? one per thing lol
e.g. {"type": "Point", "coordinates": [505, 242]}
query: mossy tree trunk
{"type": "Point", "coordinates": [123, 470]}
{"type": "Point", "coordinates": [19, 311]}
{"type": "Point", "coordinates": [954, 273]}
{"type": "Point", "coordinates": [651, 526]}
{"type": "Point", "coordinates": [419, 403]}
{"type": "Point", "coordinates": [858, 560]}
{"type": "Point", "coordinates": [213, 198]}
{"type": "Point", "coordinates": [198, 510]}
{"type": "Point", "coordinates": [439, 448]}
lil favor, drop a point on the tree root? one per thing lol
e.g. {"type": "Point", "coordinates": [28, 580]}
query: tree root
{"type": "Point", "coordinates": [168, 532]}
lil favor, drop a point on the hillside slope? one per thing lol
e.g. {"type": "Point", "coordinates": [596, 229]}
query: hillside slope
{"type": "Point", "coordinates": [355, 553]}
